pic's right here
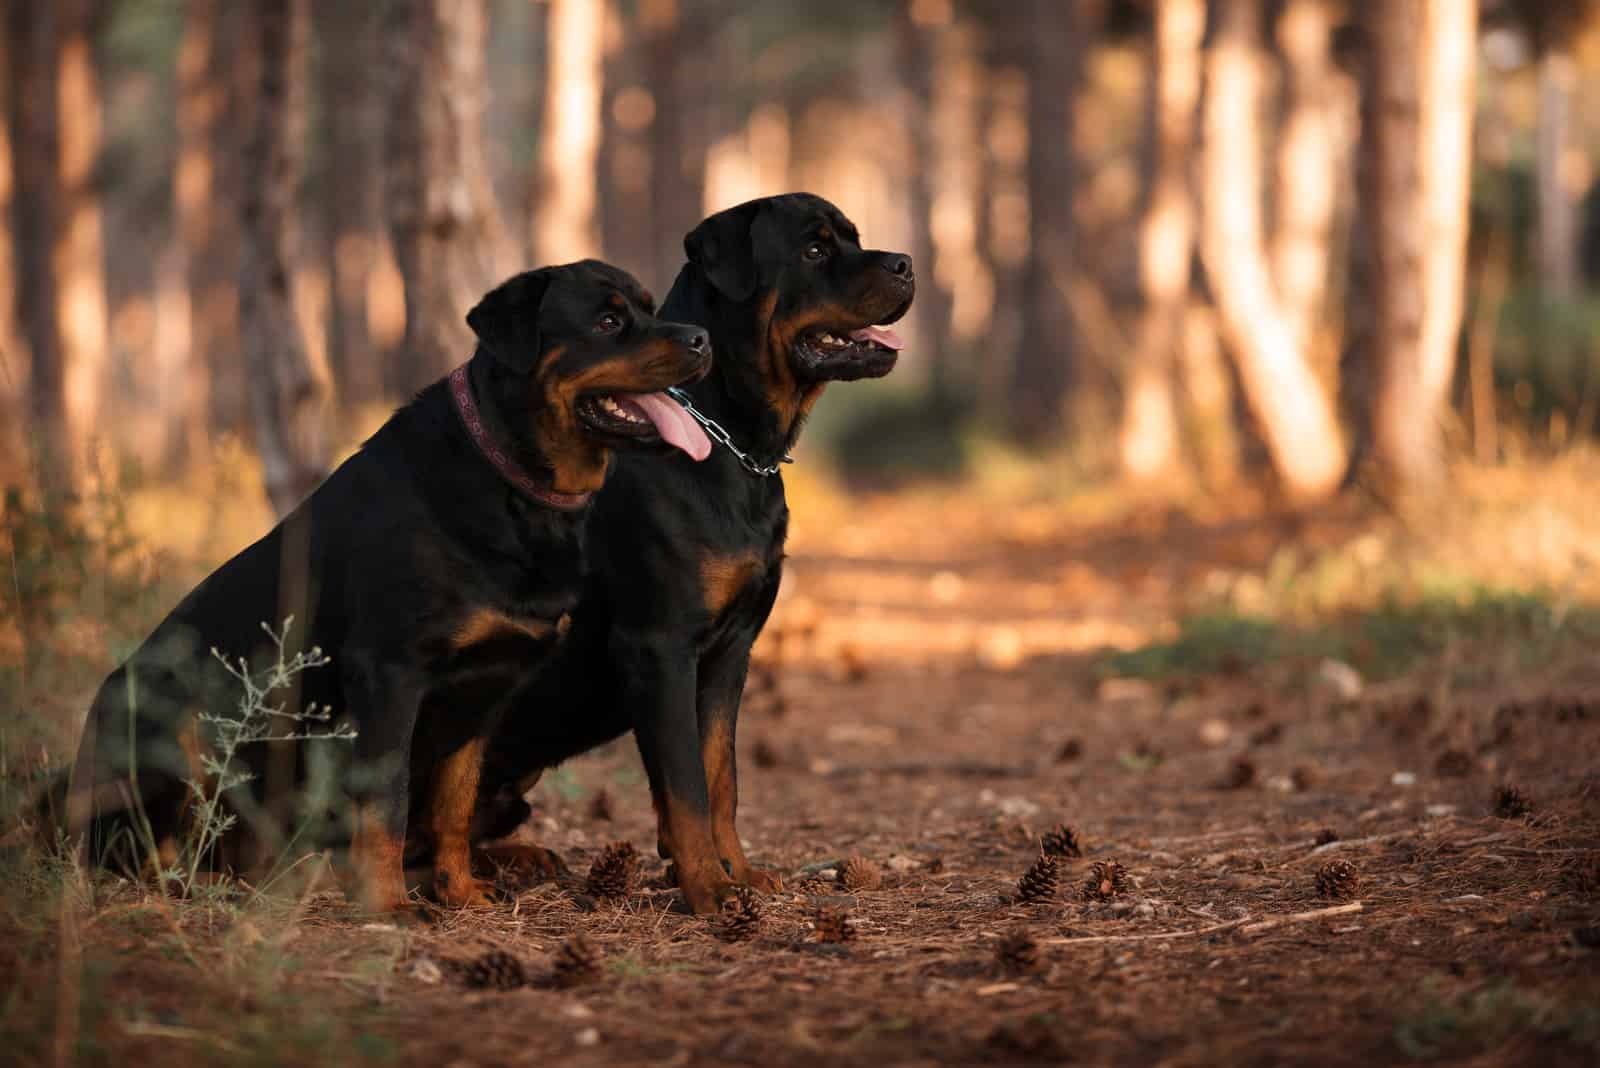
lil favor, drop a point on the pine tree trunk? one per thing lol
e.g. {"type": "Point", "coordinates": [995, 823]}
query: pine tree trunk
{"type": "Point", "coordinates": [1294, 414]}
{"type": "Point", "coordinates": [626, 169]}
{"type": "Point", "coordinates": [441, 208]}
{"type": "Point", "coordinates": [1415, 199]}
{"type": "Point", "coordinates": [288, 392]}
{"type": "Point", "coordinates": [79, 255]}
{"type": "Point", "coordinates": [931, 312]}
{"type": "Point", "coordinates": [1042, 371]}
{"type": "Point", "coordinates": [1166, 244]}
{"type": "Point", "coordinates": [1307, 165]}
{"type": "Point", "coordinates": [31, 102]}
{"type": "Point", "coordinates": [564, 223]}
{"type": "Point", "coordinates": [351, 78]}
{"type": "Point", "coordinates": [11, 368]}
{"type": "Point", "coordinates": [1557, 199]}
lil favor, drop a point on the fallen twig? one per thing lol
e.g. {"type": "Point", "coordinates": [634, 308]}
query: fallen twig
{"type": "Point", "coordinates": [1213, 928]}
{"type": "Point", "coordinates": [1299, 917]}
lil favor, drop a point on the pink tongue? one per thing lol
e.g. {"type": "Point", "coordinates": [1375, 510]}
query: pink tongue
{"type": "Point", "coordinates": [671, 422]}
{"type": "Point", "coordinates": [882, 335]}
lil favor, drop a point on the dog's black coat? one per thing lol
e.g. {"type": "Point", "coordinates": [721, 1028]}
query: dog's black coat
{"type": "Point", "coordinates": [685, 559]}
{"type": "Point", "coordinates": [432, 583]}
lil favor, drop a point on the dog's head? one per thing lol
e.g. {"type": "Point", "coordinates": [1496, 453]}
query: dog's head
{"type": "Point", "coordinates": [580, 365]}
{"type": "Point", "coordinates": [819, 304]}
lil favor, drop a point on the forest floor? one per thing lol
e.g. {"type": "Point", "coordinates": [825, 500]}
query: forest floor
{"type": "Point", "coordinates": [1224, 706]}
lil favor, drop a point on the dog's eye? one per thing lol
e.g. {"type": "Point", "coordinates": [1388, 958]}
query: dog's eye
{"type": "Point", "coordinates": [816, 251]}
{"type": "Point", "coordinates": [608, 324]}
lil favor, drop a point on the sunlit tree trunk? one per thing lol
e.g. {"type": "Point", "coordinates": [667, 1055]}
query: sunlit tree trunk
{"type": "Point", "coordinates": [1415, 194]}
{"type": "Point", "coordinates": [1166, 244]}
{"type": "Point", "coordinates": [1557, 193]}
{"type": "Point", "coordinates": [564, 224]}
{"type": "Point", "coordinates": [1306, 167]}
{"type": "Point", "coordinates": [1042, 369]}
{"type": "Point", "coordinates": [79, 255]}
{"type": "Point", "coordinates": [1294, 413]}
{"type": "Point", "coordinates": [288, 392]}
{"type": "Point", "coordinates": [932, 309]}
{"type": "Point", "coordinates": [440, 205]}
{"type": "Point", "coordinates": [11, 369]}
{"type": "Point", "coordinates": [675, 38]}
{"type": "Point", "coordinates": [351, 77]}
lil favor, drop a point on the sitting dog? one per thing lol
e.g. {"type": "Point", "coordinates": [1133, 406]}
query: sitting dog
{"type": "Point", "coordinates": [436, 568]}
{"type": "Point", "coordinates": [685, 559]}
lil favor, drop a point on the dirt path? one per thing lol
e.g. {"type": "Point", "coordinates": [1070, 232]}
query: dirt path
{"type": "Point", "coordinates": [936, 713]}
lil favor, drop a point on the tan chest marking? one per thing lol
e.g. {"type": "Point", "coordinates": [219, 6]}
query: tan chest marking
{"type": "Point", "coordinates": [722, 577]}
{"type": "Point", "coordinates": [488, 624]}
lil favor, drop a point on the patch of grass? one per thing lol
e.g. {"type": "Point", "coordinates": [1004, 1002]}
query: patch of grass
{"type": "Point", "coordinates": [1518, 629]}
{"type": "Point", "coordinates": [1455, 1025]}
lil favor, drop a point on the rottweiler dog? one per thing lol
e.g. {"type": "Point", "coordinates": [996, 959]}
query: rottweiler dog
{"type": "Point", "coordinates": [435, 568]}
{"type": "Point", "coordinates": [685, 559]}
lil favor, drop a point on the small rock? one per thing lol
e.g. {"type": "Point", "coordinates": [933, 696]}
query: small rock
{"type": "Point", "coordinates": [1404, 778]}
{"type": "Point", "coordinates": [1339, 679]}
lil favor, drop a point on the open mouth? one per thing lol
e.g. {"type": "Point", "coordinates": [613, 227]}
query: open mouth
{"type": "Point", "coordinates": [642, 418]}
{"type": "Point", "coordinates": [865, 352]}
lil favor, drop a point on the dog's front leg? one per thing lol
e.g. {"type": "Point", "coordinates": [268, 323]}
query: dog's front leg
{"type": "Point", "coordinates": [656, 679]}
{"type": "Point", "coordinates": [721, 679]}
{"type": "Point", "coordinates": [383, 701]}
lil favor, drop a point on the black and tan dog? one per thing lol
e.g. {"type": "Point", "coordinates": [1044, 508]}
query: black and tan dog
{"type": "Point", "coordinates": [685, 558]}
{"type": "Point", "coordinates": [436, 568]}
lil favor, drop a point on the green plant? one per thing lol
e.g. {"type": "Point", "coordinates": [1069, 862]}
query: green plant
{"type": "Point", "coordinates": [255, 718]}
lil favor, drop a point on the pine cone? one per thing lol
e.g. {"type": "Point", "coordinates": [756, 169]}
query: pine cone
{"type": "Point", "coordinates": [1106, 880]}
{"type": "Point", "coordinates": [740, 915]}
{"type": "Point", "coordinates": [1338, 878]}
{"type": "Point", "coordinates": [1061, 841]}
{"type": "Point", "coordinates": [1510, 803]}
{"type": "Point", "coordinates": [834, 925]}
{"type": "Point", "coordinates": [1038, 883]}
{"type": "Point", "coordinates": [577, 961]}
{"type": "Point", "coordinates": [495, 970]}
{"type": "Point", "coordinates": [1017, 953]}
{"type": "Point", "coordinates": [859, 873]}
{"type": "Point", "coordinates": [614, 871]}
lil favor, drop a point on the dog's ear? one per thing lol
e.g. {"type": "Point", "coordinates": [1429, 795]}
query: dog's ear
{"type": "Point", "coordinates": [723, 247]}
{"type": "Point", "coordinates": [506, 320]}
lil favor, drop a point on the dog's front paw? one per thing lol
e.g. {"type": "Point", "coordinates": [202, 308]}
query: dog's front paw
{"type": "Point", "coordinates": [764, 880]}
{"type": "Point", "coordinates": [456, 891]}
{"type": "Point", "coordinates": [705, 896]}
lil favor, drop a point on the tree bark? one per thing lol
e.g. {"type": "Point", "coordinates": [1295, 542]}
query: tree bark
{"type": "Point", "coordinates": [441, 207]}
{"type": "Point", "coordinates": [1149, 443]}
{"type": "Point", "coordinates": [1415, 194]}
{"type": "Point", "coordinates": [564, 223]}
{"type": "Point", "coordinates": [11, 371]}
{"type": "Point", "coordinates": [288, 392]}
{"type": "Point", "coordinates": [79, 254]}
{"type": "Point", "coordinates": [1294, 413]}
{"type": "Point", "coordinates": [352, 95]}
{"type": "Point", "coordinates": [31, 101]}
{"type": "Point", "coordinates": [932, 309]}
{"type": "Point", "coordinates": [1306, 167]}
{"type": "Point", "coordinates": [1042, 371]}
{"type": "Point", "coordinates": [1557, 197]}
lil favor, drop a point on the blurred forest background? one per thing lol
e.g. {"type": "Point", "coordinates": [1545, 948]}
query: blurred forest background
{"type": "Point", "coordinates": [1279, 244]}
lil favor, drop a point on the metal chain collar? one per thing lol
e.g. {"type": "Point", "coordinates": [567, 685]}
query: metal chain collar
{"type": "Point", "coordinates": [715, 432]}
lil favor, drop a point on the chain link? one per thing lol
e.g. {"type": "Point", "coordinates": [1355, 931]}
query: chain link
{"type": "Point", "coordinates": [715, 432]}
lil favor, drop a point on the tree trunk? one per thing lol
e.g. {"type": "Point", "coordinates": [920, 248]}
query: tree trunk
{"type": "Point", "coordinates": [1306, 170]}
{"type": "Point", "coordinates": [11, 401]}
{"type": "Point", "coordinates": [932, 309]}
{"type": "Point", "coordinates": [626, 168]}
{"type": "Point", "coordinates": [31, 100]}
{"type": "Point", "coordinates": [440, 205]}
{"type": "Point", "coordinates": [1415, 191]}
{"type": "Point", "coordinates": [288, 392]}
{"type": "Point", "coordinates": [1558, 216]}
{"type": "Point", "coordinates": [1053, 56]}
{"type": "Point", "coordinates": [79, 255]}
{"type": "Point", "coordinates": [209, 275]}
{"type": "Point", "coordinates": [1294, 413]}
{"type": "Point", "coordinates": [352, 103]}
{"type": "Point", "coordinates": [1166, 243]}
{"type": "Point", "coordinates": [564, 225]}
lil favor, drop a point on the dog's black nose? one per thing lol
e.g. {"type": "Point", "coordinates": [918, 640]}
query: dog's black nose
{"type": "Point", "coordinates": [698, 340]}
{"type": "Point", "coordinates": [897, 264]}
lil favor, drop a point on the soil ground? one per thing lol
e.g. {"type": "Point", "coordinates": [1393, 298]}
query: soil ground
{"type": "Point", "coordinates": [934, 696]}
